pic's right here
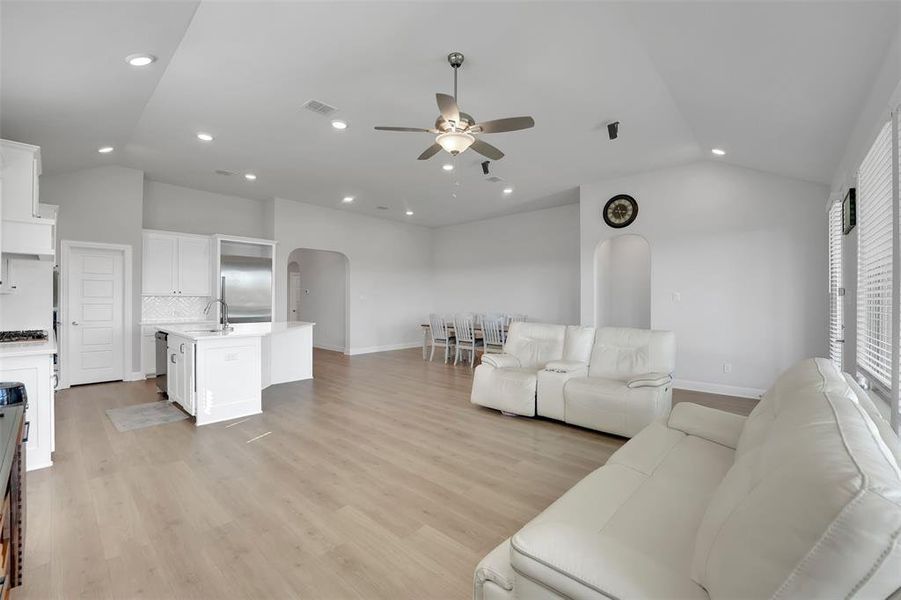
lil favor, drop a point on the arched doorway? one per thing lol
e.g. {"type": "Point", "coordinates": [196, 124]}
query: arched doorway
{"type": "Point", "coordinates": [622, 280]}
{"type": "Point", "coordinates": [317, 292]}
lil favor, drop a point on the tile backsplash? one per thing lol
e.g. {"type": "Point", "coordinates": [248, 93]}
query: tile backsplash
{"type": "Point", "coordinates": [173, 308]}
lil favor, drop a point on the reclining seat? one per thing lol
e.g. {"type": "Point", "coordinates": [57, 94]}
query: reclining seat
{"type": "Point", "coordinates": [507, 382]}
{"type": "Point", "coordinates": [629, 381]}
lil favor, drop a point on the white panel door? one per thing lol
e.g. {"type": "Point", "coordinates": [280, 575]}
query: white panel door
{"type": "Point", "coordinates": [294, 296]}
{"type": "Point", "coordinates": [160, 265]}
{"type": "Point", "coordinates": [95, 327]}
{"type": "Point", "coordinates": [194, 266]}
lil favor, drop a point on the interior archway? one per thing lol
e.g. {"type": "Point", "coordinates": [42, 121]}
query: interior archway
{"type": "Point", "coordinates": [623, 282]}
{"type": "Point", "coordinates": [317, 292]}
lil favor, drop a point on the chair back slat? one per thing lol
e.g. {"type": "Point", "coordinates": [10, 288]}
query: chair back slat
{"type": "Point", "coordinates": [493, 331]}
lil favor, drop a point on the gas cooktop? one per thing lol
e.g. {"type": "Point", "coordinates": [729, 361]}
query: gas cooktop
{"type": "Point", "coordinates": [28, 335]}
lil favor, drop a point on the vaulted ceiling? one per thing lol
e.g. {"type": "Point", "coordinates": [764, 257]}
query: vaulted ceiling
{"type": "Point", "coordinates": [778, 85]}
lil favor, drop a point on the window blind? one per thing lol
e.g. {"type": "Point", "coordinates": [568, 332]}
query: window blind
{"type": "Point", "coordinates": [874, 259]}
{"type": "Point", "coordinates": [836, 317]}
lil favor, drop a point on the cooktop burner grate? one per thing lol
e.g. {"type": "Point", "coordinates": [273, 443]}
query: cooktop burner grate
{"type": "Point", "coordinates": [28, 335]}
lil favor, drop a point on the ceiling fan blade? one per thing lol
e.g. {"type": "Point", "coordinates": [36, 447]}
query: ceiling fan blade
{"type": "Point", "coordinates": [448, 108]}
{"type": "Point", "coordinates": [487, 150]}
{"type": "Point", "coordinates": [414, 129]}
{"type": "Point", "coordinates": [502, 125]}
{"type": "Point", "coordinates": [430, 152]}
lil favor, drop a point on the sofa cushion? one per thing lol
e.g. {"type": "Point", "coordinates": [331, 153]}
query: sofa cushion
{"type": "Point", "coordinates": [610, 405]}
{"type": "Point", "coordinates": [621, 352]}
{"type": "Point", "coordinates": [534, 344]}
{"type": "Point", "coordinates": [510, 390]}
{"type": "Point", "coordinates": [578, 344]}
{"type": "Point", "coordinates": [715, 425]}
{"type": "Point", "coordinates": [494, 570]}
{"type": "Point", "coordinates": [811, 507]}
{"type": "Point", "coordinates": [630, 523]}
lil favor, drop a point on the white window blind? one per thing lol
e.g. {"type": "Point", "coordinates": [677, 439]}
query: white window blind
{"type": "Point", "coordinates": [874, 260]}
{"type": "Point", "coordinates": [836, 316]}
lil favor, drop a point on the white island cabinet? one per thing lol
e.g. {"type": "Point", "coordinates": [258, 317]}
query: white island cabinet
{"type": "Point", "coordinates": [220, 376]}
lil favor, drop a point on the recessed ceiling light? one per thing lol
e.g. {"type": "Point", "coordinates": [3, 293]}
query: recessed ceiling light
{"type": "Point", "coordinates": [140, 60]}
{"type": "Point", "coordinates": [448, 167]}
{"type": "Point", "coordinates": [348, 199]}
{"type": "Point", "coordinates": [105, 149]}
{"type": "Point", "coordinates": [250, 176]}
{"type": "Point", "coordinates": [409, 213]}
{"type": "Point", "coordinates": [339, 124]}
{"type": "Point", "coordinates": [508, 190]}
{"type": "Point", "coordinates": [719, 151]}
{"type": "Point", "coordinates": [204, 137]}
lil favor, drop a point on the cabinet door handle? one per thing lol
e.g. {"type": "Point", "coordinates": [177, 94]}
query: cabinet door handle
{"type": "Point", "coordinates": [27, 430]}
{"type": "Point", "coordinates": [181, 348]}
{"type": "Point", "coordinates": [173, 359]}
{"type": "Point", "coordinates": [75, 323]}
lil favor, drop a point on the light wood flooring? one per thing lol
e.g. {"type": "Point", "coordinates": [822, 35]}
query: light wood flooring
{"type": "Point", "coordinates": [378, 480]}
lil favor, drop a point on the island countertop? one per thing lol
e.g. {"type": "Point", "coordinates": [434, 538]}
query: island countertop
{"type": "Point", "coordinates": [197, 332]}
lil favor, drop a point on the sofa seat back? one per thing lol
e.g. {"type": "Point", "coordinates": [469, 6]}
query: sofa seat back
{"type": "Point", "coordinates": [535, 344]}
{"type": "Point", "coordinates": [622, 352]}
{"type": "Point", "coordinates": [812, 505]}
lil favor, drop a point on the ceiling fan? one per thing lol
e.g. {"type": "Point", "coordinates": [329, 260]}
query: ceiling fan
{"type": "Point", "coordinates": [456, 130]}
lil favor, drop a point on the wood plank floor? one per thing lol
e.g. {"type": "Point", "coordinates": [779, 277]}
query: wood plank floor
{"type": "Point", "coordinates": [378, 479]}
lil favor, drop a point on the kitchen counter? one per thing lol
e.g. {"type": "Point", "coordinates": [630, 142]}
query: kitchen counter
{"type": "Point", "coordinates": [11, 349]}
{"type": "Point", "coordinates": [197, 332]}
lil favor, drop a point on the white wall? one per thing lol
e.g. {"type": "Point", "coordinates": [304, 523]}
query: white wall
{"type": "Point", "coordinates": [623, 282]}
{"type": "Point", "coordinates": [523, 263]}
{"type": "Point", "coordinates": [103, 205]}
{"type": "Point", "coordinates": [175, 208]}
{"type": "Point", "coordinates": [323, 295]}
{"type": "Point", "coordinates": [390, 270]}
{"type": "Point", "coordinates": [747, 253]}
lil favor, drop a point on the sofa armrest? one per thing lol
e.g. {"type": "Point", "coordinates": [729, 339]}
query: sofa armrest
{"type": "Point", "coordinates": [569, 560]}
{"type": "Point", "coordinates": [649, 380]}
{"type": "Point", "coordinates": [566, 366]}
{"type": "Point", "coordinates": [501, 361]}
{"type": "Point", "coordinates": [718, 426]}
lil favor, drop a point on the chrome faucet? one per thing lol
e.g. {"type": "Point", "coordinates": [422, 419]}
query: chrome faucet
{"type": "Point", "coordinates": [224, 321]}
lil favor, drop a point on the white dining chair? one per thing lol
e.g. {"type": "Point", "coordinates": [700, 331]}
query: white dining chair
{"type": "Point", "coordinates": [441, 336]}
{"type": "Point", "coordinates": [465, 332]}
{"type": "Point", "coordinates": [493, 334]}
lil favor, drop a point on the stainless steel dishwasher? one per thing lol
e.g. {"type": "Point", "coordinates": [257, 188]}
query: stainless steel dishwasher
{"type": "Point", "coordinates": [162, 361]}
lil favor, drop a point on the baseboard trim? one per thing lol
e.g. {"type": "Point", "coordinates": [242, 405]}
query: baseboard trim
{"type": "Point", "coordinates": [332, 347]}
{"type": "Point", "coordinates": [385, 348]}
{"type": "Point", "coordinates": [718, 388]}
{"type": "Point", "coordinates": [135, 376]}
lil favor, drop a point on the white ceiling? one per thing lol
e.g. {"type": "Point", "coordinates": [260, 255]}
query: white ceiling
{"type": "Point", "coordinates": [779, 85]}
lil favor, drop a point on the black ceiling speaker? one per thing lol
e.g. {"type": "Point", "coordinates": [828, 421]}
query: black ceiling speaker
{"type": "Point", "coordinates": [613, 130]}
{"type": "Point", "coordinates": [485, 167]}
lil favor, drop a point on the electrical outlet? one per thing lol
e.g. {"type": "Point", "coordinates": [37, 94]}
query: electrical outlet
{"type": "Point", "coordinates": [727, 367]}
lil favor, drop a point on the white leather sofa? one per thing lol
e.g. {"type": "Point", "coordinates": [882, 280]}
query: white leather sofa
{"type": "Point", "coordinates": [802, 499]}
{"type": "Point", "coordinates": [612, 379]}
{"type": "Point", "coordinates": [626, 384]}
{"type": "Point", "coordinates": [508, 381]}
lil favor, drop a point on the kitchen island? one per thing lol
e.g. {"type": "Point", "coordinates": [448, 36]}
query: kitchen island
{"type": "Point", "coordinates": [217, 376]}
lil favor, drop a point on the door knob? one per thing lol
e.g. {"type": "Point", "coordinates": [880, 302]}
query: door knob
{"type": "Point", "coordinates": [75, 323]}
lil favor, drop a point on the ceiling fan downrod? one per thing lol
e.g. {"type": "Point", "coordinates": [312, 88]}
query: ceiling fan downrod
{"type": "Point", "coordinates": [455, 59]}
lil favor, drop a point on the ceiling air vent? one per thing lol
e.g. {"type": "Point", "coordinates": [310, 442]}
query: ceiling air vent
{"type": "Point", "coordinates": [382, 207]}
{"type": "Point", "coordinates": [494, 179]}
{"type": "Point", "coordinates": [320, 108]}
{"type": "Point", "coordinates": [224, 172]}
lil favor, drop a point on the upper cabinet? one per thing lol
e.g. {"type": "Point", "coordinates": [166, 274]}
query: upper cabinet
{"type": "Point", "coordinates": [26, 229]}
{"type": "Point", "coordinates": [176, 264]}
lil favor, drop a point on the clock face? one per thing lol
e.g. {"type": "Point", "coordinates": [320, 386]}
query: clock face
{"type": "Point", "coordinates": [620, 211]}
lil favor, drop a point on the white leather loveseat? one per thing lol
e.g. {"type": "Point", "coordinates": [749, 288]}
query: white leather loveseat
{"type": "Point", "coordinates": [508, 381]}
{"type": "Point", "coordinates": [802, 499]}
{"type": "Point", "coordinates": [626, 384]}
{"type": "Point", "coordinates": [612, 379]}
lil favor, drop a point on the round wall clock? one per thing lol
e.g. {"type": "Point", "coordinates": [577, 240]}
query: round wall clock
{"type": "Point", "coordinates": [620, 211]}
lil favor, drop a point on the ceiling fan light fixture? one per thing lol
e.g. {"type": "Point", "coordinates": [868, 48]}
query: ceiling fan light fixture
{"type": "Point", "coordinates": [455, 142]}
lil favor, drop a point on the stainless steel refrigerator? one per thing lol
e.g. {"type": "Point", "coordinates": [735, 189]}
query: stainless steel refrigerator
{"type": "Point", "coordinates": [247, 288]}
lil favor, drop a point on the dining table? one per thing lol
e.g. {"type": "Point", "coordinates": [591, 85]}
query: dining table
{"type": "Point", "coordinates": [427, 335]}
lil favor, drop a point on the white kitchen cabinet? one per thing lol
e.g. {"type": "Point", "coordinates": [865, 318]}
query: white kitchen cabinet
{"type": "Point", "coordinates": [180, 377]}
{"type": "Point", "coordinates": [176, 264]}
{"type": "Point", "coordinates": [36, 372]}
{"type": "Point", "coordinates": [20, 170]}
{"type": "Point", "coordinates": [194, 266]}
{"type": "Point", "coordinates": [148, 353]}
{"type": "Point", "coordinates": [160, 264]}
